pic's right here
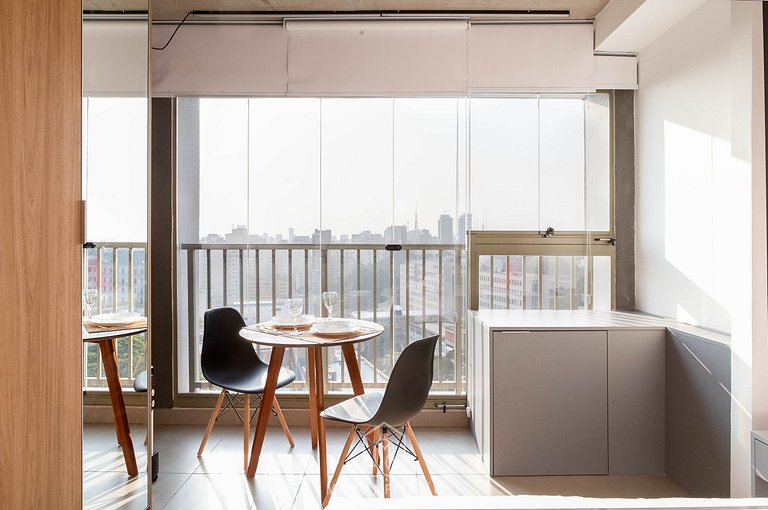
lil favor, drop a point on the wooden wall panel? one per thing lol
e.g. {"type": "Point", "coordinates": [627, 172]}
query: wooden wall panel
{"type": "Point", "coordinates": [40, 187]}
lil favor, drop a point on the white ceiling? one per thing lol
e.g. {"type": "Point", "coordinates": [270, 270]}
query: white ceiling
{"type": "Point", "coordinates": [176, 9]}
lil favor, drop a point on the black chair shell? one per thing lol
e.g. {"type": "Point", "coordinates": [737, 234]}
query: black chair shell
{"type": "Point", "coordinates": [230, 362]}
{"type": "Point", "coordinates": [404, 397]}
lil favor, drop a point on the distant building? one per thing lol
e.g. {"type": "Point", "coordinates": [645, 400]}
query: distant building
{"type": "Point", "coordinates": [422, 236]}
{"type": "Point", "coordinates": [367, 237]}
{"type": "Point", "coordinates": [397, 234]}
{"type": "Point", "coordinates": [445, 229]}
{"type": "Point", "coordinates": [324, 238]}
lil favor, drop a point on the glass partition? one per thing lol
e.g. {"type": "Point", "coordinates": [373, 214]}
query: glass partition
{"type": "Point", "coordinates": [115, 128]}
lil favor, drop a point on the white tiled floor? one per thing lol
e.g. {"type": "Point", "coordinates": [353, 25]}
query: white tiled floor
{"type": "Point", "coordinates": [288, 477]}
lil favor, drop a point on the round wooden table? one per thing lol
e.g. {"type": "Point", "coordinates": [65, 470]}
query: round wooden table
{"type": "Point", "coordinates": [262, 334]}
{"type": "Point", "coordinates": [107, 341]}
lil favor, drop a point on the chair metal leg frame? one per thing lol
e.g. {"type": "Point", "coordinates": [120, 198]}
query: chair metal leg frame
{"type": "Point", "coordinates": [232, 403]}
{"type": "Point", "coordinates": [384, 437]}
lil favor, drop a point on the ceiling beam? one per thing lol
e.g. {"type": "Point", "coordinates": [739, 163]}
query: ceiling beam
{"type": "Point", "coordinates": [631, 25]}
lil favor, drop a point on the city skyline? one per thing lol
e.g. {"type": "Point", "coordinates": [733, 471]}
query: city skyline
{"type": "Point", "coordinates": [446, 234]}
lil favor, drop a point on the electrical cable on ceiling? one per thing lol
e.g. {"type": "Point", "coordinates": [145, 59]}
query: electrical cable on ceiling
{"type": "Point", "coordinates": [174, 33]}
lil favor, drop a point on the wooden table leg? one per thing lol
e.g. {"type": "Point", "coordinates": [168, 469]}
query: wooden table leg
{"type": "Point", "coordinates": [353, 369]}
{"type": "Point", "coordinates": [109, 358]}
{"type": "Point", "coordinates": [275, 361]}
{"type": "Point", "coordinates": [313, 412]}
{"type": "Point", "coordinates": [320, 393]}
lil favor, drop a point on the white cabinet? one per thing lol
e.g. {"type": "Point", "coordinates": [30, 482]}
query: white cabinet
{"type": "Point", "coordinates": [549, 403]}
{"type": "Point", "coordinates": [584, 397]}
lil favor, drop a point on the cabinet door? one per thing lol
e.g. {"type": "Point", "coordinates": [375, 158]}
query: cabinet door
{"type": "Point", "coordinates": [550, 403]}
{"type": "Point", "coordinates": [636, 402]}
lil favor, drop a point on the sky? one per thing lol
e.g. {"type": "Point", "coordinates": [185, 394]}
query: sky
{"type": "Point", "coordinates": [350, 164]}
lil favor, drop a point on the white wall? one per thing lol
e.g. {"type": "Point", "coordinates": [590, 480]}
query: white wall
{"type": "Point", "coordinates": [695, 162]}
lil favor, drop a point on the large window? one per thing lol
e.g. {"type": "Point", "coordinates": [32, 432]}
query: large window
{"type": "Point", "coordinates": [539, 163]}
{"type": "Point", "coordinates": [282, 197]}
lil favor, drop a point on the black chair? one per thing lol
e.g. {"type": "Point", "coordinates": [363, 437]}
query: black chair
{"type": "Point", "coordinates": [231, 363]}
{"type": "Point", "coordinates": [388, 415]}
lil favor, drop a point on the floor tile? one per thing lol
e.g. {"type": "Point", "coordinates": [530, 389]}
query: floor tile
{"type": "Point", "coordinates": [277, 455]}
{"type": "Point", "coordinates": [353, 487]}
{"type": "Point", "coordinates": [178, 447]}
{"type": "Point", "coordinates": [461, 485]}
{"type": "Point", "coordinates": [449, 451]}
{"type": "Point", "coordinates": [289, 477]}
{"type": "Point", "coordinates": [236, 492]}
{"type": "Point", "coordinates": [101, 452]}
{"type": "Point", "coordinates": [165, 487]}
{"type": "Point", "coordinates": [106, 490]}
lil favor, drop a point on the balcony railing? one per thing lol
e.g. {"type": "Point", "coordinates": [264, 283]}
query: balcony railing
{"type": "Point", "coordinates": [412, 293]}
{"type": "Point", "coordinates": [118, 272]}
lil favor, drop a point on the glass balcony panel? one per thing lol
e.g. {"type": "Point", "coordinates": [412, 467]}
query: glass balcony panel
{"type": "Point", "coordinates": [504, 163]}
{"type": "Point", "coordinates": [561, 170]}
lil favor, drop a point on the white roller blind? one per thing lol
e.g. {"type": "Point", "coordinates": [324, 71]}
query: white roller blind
{"type": "Point", "coordinates": [115, 59]}
{"type": "Point", "coordinates": [214, 60]}
{"type": "Point", "coordinates": [377, 57]}
{"type": "Point", "coordinates": [531, 57]}
{"type": "Point", "coordinates": [616, 72]}
{"type": "Point", "coordinates": [383, 57]}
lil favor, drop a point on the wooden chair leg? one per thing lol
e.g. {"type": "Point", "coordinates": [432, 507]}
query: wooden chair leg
{"type": "Point", "coordinates": [385, 459]}
{"type": "Point", "coordinates": [283, 423]}
{"type": "Point", "coordinates": [372, 435]}
{"type": "Point", "coordinates": [246, 430]}
{"type": "Point", "coordinates": [214, 414]}
{"type": "Point", "coordinates": [420, 455]}
{"type": "Point", "coordinates": [344, 453]}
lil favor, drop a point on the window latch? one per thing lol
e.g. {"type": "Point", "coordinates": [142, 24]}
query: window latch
{"type": "Point", "coordinates": [393, 247]}
{"type": "Point", "coordinates": [609, 240]}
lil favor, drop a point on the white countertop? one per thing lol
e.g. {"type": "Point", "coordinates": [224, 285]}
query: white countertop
{"type": "Point", "coordinates": [568, 319]}
{"type": "Point", "coordinates": [524, 320]}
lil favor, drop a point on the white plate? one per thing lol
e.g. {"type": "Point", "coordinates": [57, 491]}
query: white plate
{"type": "Point", "coordinates": [117, 318]}
{"type": "Point", "coordinates": [334, 327]}
{"type": "Point", "coordinates": [287, 320]}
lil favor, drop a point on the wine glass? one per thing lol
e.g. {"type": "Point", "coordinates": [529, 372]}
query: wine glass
{"type": "Point", "coordinates": [329, 300]}
{"type": "Point", "coordinates": [91, 298]}
{"type": "Point", "coordinates": [295, 306]}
